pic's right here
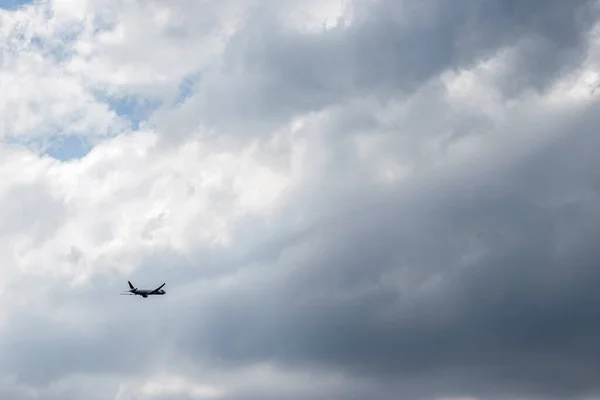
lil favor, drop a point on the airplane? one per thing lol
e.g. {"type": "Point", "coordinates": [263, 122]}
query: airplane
{"type": "Point", "coordinates": [144, 292]}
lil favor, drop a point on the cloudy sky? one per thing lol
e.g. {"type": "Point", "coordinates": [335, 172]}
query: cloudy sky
{"type": "Point", "coordinates": [347, 199]}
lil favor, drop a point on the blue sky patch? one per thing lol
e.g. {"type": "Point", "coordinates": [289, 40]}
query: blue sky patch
{"type": "Point", "coordinates": [134, 109]}
{"type": "Point", "coordinates": [68, 148]}
{"type": "Point", "coordinates": [13, 4]}
{"type": "Point", "coordinates": [186, 87]}
{"type": "Point", "coordinates": [63, 147]}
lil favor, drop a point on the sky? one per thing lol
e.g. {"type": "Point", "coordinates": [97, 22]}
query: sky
{"type": "Point", "coordinates": [346, 199]}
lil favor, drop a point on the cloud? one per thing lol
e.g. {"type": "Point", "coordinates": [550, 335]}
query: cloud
{"type": "Point", "coordinates": [460, 283]}
{"type": "Point", "coordinates": [272, 69]}
{"type": "Point", "coordinates": [345, 200]}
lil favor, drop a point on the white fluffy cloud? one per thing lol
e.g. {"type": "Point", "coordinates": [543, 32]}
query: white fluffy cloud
{"type": "Point", "coordinates": [346, 199]}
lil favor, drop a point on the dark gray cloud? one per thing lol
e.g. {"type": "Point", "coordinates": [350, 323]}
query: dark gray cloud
{"type": "Point", "coordinates": [386, 289]}
{"type": "Point", "coordinates": [271, 72]}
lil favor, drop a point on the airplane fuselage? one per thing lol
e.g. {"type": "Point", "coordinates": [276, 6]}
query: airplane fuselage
{"type": "Point", "coordinates": [145, 293]}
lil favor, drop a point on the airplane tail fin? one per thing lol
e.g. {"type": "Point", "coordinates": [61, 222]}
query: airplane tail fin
{"type": "Point", "coordinates": [130, 285]}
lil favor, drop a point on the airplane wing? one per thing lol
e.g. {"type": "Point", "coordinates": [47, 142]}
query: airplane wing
{"type": "Point", "coordinates": [157, 289]}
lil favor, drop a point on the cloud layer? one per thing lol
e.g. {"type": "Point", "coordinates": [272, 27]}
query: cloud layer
{"type": "Point", "coordinates": [347, 199]}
